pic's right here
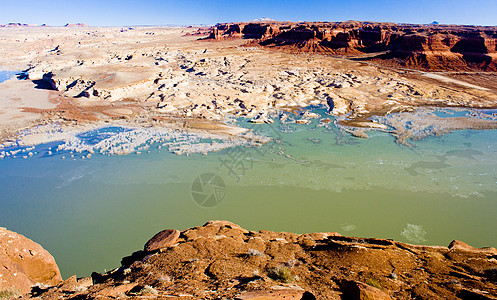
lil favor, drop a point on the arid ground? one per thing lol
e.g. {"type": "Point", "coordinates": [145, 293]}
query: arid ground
{"type": "Point", "coordinates": [174, 77]}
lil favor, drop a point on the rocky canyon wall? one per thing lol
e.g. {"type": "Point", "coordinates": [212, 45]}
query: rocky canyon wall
{"type": "Point", "coordinates": [426, 47]}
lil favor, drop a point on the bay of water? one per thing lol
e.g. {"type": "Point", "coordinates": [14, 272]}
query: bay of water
{"type": "Point", "coordinates": [89, 213]}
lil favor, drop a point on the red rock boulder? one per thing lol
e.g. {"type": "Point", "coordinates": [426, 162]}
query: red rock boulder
{"type": "Point", "coordinates": [161, 240]}
{"type": "Point", "coordinates": [24, 263]}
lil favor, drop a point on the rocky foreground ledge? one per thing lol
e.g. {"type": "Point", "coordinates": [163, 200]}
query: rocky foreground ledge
{"type": "Point", "coordinates": [221, 260]}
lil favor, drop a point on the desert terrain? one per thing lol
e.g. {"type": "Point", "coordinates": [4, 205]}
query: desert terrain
{"type": "Point", "coordinates": [196, 79]}
{"type": "Point", "coordinates": [188, 83]}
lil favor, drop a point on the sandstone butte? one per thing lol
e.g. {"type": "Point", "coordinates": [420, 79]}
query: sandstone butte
{"type": "Point", "coordinates": [427, 47]}
{"type": "Point", "coordinates": [221, 260]}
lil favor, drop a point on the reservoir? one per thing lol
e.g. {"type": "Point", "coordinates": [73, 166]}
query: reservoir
{"type": "Point", "coordinates": [89, 212]}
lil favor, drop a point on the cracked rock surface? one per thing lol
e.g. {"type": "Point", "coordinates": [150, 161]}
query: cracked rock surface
{"type": "Point", "coordinates": [221, 260]}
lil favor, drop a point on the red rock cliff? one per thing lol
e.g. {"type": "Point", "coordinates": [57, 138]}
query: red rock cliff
{"type": "Point", "coordinates": [431, 47]}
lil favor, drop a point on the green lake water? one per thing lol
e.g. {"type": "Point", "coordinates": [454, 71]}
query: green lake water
{"type": "Point", "coordinates": [89, 213]}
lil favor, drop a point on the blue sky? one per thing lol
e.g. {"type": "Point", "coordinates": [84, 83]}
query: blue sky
{"type": "Point", "coordinates": [184, 12]}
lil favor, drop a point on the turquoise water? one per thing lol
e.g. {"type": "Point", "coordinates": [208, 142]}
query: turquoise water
{"type": "Point", "coordinates": [6, 75]}
{"type": "Point", "coordinates": [89, 213]}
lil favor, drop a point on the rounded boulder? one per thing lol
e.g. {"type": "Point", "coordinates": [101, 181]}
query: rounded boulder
{"type": "Point", "coordinates": [161, 240]}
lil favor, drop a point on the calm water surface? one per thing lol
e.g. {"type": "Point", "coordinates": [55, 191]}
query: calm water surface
{"type": "Point", "coordinates": [89, 213]}
{"type": "Point", "coordinates": [6, 75]}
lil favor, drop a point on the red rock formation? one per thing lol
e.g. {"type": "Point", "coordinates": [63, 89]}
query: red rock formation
{"type": "Point", "coordinates": [24, 263]}
{"type": "Point", "coordinates": [430, 47]}
{"type": "Point", "coordinates": [200, 31]}
{"type": "Point", "coordinates": [221, 260]}
{"type": "Point", "coordinates": [255, 30]}
{"type": "Point", "coordinates": [161, 240]}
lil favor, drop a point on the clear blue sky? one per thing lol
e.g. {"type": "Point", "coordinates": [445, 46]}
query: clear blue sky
{"type": "Point", "coordinates": [184, 12]}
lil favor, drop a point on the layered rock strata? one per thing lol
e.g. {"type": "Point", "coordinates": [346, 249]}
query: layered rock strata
{"type": "Point", "coordinates": [428, 47]}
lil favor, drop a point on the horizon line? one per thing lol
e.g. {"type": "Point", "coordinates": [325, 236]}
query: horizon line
{"type": "Point", "coordinates": [82, 24]}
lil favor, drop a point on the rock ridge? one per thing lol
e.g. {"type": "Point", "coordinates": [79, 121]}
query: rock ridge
{"type": "Point", "coordinates": [221, 260]}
